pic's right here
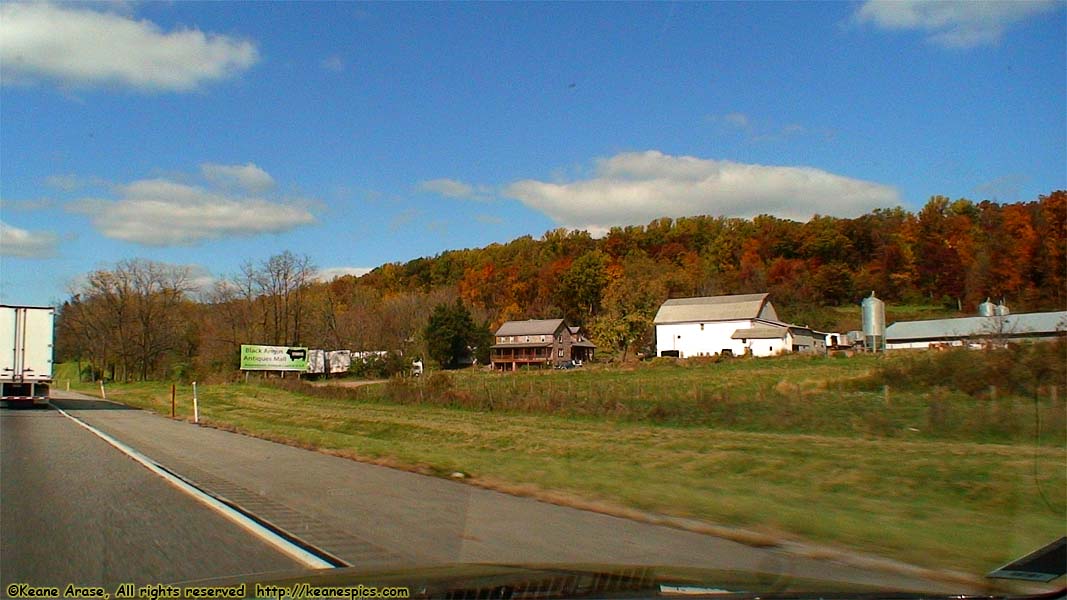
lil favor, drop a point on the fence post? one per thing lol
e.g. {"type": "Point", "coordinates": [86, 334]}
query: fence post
{"type": "Point", "coordinates": [885, 394]}
{"type": "Point", "coordinates": [173, 391]}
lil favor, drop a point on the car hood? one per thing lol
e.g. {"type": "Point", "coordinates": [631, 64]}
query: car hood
{"type": "Point", "coordinates": [548, 581]}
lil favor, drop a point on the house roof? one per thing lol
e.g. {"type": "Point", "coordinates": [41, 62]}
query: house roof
{"type": "Point", "coordinates": [530, 327]}
{"type": "Point", "coordinates": [760, 333]}
{"type": "Point", "coordinates": [1019, 325]}
{"type": "Point", "coordinates": [716, 308]}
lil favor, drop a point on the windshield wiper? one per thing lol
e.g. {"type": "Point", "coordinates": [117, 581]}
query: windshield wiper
{"type": "Point", "coordinates": [1044, 564]}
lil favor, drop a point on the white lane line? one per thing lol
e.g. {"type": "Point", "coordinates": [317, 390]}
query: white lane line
{"type": "Point", "coordinates": [272, 538]}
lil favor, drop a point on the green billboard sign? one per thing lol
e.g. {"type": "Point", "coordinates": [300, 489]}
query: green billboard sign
{"type": "Point", "coordinates": [273, 358]}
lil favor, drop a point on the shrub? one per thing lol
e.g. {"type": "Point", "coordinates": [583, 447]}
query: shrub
{"type": "Point", "coordinates": [1017, 370]}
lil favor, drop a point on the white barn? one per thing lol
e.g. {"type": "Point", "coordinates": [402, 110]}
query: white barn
{"type": "Point", "coordinates": [733, 325]}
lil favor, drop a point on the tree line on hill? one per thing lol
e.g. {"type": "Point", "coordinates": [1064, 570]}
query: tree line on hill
{"type": "Point", "coordinates": [141, 320]}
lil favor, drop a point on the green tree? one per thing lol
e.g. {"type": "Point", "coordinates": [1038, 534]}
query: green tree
{"type": "Point", "coordinates": [582, 286]}
{"type": "Point", "coordinates": [451, 334]}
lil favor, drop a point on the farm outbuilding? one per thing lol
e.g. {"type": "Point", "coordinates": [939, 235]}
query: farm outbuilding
{"type": "Point", "coordinates": [976, 331]}
{"type": "Point", "coordinates": [730, 325]}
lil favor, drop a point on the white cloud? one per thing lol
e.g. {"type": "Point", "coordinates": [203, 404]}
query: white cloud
{"type": "Point", "coordinates": [739, 120]}
{"type": "Point", "coordinates": [453, 188]}
{"type": "Point", "coordinates": [333, 63]}
{"type": "Point", "coordinates": [26, 244]}
{"type": "Point", "coordinates": [81, 47]}
{"type": "Point", "coordinates": [332, 273]}
{"type": "Point", "coordinates": [200, 280]}
{"type": "Point", "coordinates": [755, 129]}
{"type": "Point", "coordinates": [637, 187]}
{"type": "Point", "coordinates": [952, 23]}
{"type": "Point", "coordinates": [1007, 188]}
{"type": "Point", "coordinates": [447, 187]}
{"type": "Point", "coordinates": [27, 205]}
{"type": "Point", "coordinates": [66, 183]}
{"type": "Point", "coordinates": [160, 212]}
{"type": "Point", "coordinates": [249, 176]}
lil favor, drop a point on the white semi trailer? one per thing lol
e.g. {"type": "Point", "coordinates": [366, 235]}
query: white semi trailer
{"type": "Point", "coordinates": [26, 338]}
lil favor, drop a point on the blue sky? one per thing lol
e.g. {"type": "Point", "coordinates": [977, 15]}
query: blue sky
{"type": "Point", "coordinates": [209, 134]}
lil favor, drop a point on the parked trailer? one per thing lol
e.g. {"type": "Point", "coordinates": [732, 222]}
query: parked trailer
{"type": "Point", "coordinates": [26, 339]}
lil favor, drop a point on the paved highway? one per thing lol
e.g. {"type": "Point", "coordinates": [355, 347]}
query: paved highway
{"type": "Point", "coordinates": [76, 510]}
{"type": "Point", "coordinates": [365, 515]}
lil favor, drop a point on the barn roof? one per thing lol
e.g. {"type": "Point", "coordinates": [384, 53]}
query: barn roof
{"type": "Point", "coordinates": [760, 333]}
{"type": "Point", "coordinates": [530, 327]}
{"type": "Point", "coordinates": [716, 308]}
{"type": "Point", "coordinates": [1018, 325]}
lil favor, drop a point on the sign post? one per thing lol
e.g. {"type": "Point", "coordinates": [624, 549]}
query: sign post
{"type": "Point", "coordinates": [196, 407]}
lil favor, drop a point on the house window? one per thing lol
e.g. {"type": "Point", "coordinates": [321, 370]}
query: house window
{"type": "Point", "coordinates": [559, 339]}
{"type": "Point", "coordinates": [561, 352]}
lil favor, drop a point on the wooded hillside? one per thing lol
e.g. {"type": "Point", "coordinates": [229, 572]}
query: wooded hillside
{"type": "Point", "coordinates": [141, 320]}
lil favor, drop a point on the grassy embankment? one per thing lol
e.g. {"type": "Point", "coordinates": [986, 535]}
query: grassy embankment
{"type": "Point", "coordinates": [800, 448]}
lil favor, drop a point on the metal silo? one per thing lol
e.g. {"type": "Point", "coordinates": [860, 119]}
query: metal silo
{"type": "Point", "coordinates": [874, 324]}
{"type": "Point", "coordinates": [1001, 310]}
{"type": "Point", "coordinates": [987, 309]}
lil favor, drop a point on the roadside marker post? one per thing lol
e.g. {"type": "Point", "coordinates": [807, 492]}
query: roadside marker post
{"type": "Point", "coordinates": [103, 394]}
{"type": "Point", "coordinates": [173, 391]}
{"type": "Point", "coordinates": [196, 407]}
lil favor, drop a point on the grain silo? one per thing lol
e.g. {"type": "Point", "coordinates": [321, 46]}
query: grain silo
{"type": "Point", "coordinates": [874, 324]}
{"type": "Point", "coordinates": [987, 309]}
{"type": "Point", "coordinates": [1001, 310]}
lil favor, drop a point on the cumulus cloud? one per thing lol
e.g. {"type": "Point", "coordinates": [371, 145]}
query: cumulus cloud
{"type": "Point", "coordinates": [952, 23]}
{"type": "Point", "coordinates": [637, 187]}
{"type": "Point", "coordinates": [332, 273]}
{"type": "Point", "coordinates": [160, 212]}
{"type": "Point", "coordinates": [248, 176]}
{"type": "Point", "coordinates": [78, 46]}
{"type": "Point", "coordinates": [22, 243]}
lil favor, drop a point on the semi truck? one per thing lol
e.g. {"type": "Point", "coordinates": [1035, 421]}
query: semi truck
{"type": "Point", "coordinates": [26, 338]}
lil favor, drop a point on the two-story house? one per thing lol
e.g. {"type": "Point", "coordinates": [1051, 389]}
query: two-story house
{"type": "Point", "coordinates": [540, 342]}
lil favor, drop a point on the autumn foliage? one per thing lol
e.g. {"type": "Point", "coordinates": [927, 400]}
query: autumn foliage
{"type": "Point", "coordinates": [952, 253]}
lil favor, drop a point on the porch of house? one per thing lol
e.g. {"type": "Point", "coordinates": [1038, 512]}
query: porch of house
{"type": "Point", "coordinates": [512, 357]}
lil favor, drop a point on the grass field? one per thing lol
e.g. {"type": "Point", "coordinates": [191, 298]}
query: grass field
{"type": "Point", "coordinates": [795, 448]}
